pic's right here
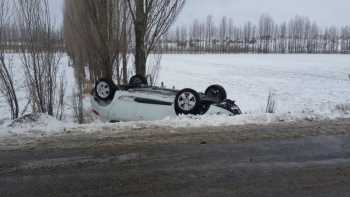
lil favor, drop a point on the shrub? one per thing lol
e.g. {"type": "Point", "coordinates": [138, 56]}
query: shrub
{"type": "Point", "coordinates": [271, 102]}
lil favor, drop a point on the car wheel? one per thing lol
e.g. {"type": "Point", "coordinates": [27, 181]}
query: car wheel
{"type": "Point", "coordinates": [105, 89]}
{"type": "Point", "coordinates": [187, 101]}
{"type": "Point", "coordinates": [138, 81]}
{"type": "Point", "coordinates": [216, 92]}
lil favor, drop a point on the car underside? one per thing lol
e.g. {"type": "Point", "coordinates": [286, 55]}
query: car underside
{"type": "Point", "coordinates": [139, 101]}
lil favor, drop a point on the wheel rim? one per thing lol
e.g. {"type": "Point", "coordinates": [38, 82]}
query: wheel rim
{"type": "Point", "coordinates": [187, 101]}
{"type": "Point", "coordinates": [103, 90]}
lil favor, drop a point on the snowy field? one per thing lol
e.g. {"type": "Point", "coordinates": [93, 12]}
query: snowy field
{"type": "Point", "coordinates": [302, 83]}
{"type": "Point", "coordinates": [306, 87]}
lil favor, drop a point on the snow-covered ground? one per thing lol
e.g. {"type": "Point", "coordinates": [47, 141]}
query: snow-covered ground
{"type": "Point", "coordinates": [307, 87]}
{"type": "Point", "coordinates": [302, 82]}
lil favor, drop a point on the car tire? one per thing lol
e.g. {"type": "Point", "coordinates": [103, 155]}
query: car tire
{"type": "Point", "coordinates": [217, 93]}
{"type": "Point", "coordinates": [105, 89]}
{"type": "Point", "coordinates": [138, 81]}
{"type": "Point", "coordinates": [187, 102]}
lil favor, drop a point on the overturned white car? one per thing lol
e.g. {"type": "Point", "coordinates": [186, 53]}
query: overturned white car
{"type": "Point", "coordinates": [138, 101]}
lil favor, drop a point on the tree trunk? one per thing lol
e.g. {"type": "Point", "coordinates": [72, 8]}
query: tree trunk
{"type": "Point", "coordinates": [125, 40]}
{"type": "Point", "coordinates": [107, 62]}
{"type": "Point", "coordinates": [140, 31]}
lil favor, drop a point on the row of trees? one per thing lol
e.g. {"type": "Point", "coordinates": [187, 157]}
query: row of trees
{"type": "Point", "coordinates": [98, 37]}
{"type": "Point", "coordinates": [12, 38]}
{"type": "Point", "coordinates": [100, 33]}
{"type": "Point", "coordinates": [298, 35]}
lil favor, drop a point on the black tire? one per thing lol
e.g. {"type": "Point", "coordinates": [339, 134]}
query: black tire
{"type": "Point", "coordinates": [216, 92]}
{"type": "Point", "coordinates": [190, 106]}
{"type": "Point", "coordinates": [105, 89]}
{"type": "Point", "coordinates": [138, 81]}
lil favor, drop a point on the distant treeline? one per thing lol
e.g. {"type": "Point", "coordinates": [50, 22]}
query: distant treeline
{"type": "Point", "coordinates": [14, 39]}
{"type": "Point", "coordinates": [298, 35]}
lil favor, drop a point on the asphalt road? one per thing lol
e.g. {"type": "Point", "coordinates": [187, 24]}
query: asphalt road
{"type": "Point", "coordinates": [299, 159]}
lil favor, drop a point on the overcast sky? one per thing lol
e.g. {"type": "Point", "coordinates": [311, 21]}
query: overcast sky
{"type": "Point", "coordinates": [325, 12]}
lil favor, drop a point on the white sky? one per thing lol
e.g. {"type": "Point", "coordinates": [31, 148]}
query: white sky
{"type": "Point", "coordinates": [325, 12]}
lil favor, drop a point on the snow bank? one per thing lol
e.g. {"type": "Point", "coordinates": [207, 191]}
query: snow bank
{"type": "Point", "coordinates": [215, 120]}
{"type": "Point", "coordinates": [33, 125]}
{"type": "Point", "coordinates": [44, 125]}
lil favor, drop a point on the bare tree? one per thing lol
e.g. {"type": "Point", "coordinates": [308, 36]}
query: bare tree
{"type": "Point", "coordinates": [97, 38]}
{"type": "Point", "coordinates": [61, 96]}
{"type": "Point", "coordinates": [223, 34]}
{"type": "Point", "coordinates": [266, 25]}
{"type": "Point", "coordinates": [154, 68]}
{"type": "Point", "coordinates": [333, 39]}
{"type": "Point", "coordinates": [125, 40]}
{"type": "Point", "coordinates": [345, 40]}
{"type": "Point", "coordinates": [92, 31]}
{"type": "Point", "coordinates": [247, 35]}
{"type": "Point", "coordinates": [78, 93]}
{"type": "Point", "coordinates": [283, 38]}
{"type": "Point", "coordinates": [151, 19]}
{"type": "Point", "coordinates": [209, 32]}
{"type": "Point", "coordinates": [6, 78]}
{"type": "Point", "coordinates": [39, 55]}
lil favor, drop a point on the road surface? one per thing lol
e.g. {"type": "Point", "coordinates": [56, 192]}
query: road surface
{"type": "Point", "coordinates": [288, 159]}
